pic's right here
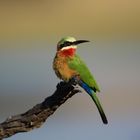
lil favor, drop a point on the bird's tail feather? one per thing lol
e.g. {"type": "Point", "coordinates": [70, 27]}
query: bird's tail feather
{"type": "Point", "coordinates": [99, 106]}
{"type": "Point", "coordinates": [95, 99]}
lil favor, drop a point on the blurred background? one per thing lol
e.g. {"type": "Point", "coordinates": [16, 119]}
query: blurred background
{"type": "Point", "coordinates": [29, 32]}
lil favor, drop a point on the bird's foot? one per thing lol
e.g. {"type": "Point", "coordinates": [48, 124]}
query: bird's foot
{"type": "Point", "coordinates": [74, 80]}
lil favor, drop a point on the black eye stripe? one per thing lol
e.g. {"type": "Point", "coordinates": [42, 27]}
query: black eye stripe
{"type": "Point", "coordinates": [67, 43]}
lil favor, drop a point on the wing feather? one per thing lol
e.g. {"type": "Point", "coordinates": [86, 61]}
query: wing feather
{"type": "Point", "coordinates": [79, 66]}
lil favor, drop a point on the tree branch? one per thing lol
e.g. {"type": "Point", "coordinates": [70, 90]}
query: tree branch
{"type": "Point", "coordinates": [36, 116]}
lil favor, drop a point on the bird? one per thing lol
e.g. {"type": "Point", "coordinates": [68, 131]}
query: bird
{"type": "Point", "coordinates": [67, 65]}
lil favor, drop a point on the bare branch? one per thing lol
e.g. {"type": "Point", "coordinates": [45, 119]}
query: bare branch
{"type": "Point", "coordinates": [36, 116]}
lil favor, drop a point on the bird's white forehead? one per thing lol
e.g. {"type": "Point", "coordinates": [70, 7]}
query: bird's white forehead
{"type": "Point", "coordinates": [70, 39]}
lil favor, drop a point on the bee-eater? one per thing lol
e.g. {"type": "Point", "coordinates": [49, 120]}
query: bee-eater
{"type": "Point", "coordinates": [67, 65]}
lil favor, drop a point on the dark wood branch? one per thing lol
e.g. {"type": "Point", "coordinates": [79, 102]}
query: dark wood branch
{"type": "Point", "coordinates": [36, 116]}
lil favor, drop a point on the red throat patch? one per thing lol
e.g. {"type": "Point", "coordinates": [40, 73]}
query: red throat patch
{"type": "Point", "coordinates": [68, 52]}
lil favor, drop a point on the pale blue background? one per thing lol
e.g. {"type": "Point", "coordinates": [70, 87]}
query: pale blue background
{"type": "Point", "coordinates": [26, 78]}
{"type": "Point", "coordinates": [29, 32]}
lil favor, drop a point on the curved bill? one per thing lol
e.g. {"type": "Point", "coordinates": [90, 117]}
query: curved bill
{"type": "Point", "coordinates": [79, 42]}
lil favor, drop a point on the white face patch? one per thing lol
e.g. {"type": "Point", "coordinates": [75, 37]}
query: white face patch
{"type": "Point", "coordinates": [69, 47]}
{"type": "Point", "coordinates": [70, 39]}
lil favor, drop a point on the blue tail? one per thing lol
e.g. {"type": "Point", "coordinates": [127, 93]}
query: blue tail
{"type": "Point", "coordinates": [92, 93]}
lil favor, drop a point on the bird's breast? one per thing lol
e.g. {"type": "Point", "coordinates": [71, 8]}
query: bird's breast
{"type": "Point", "coordinates": [61, 68]}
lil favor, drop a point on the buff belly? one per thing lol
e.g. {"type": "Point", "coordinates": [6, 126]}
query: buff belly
{"type": "Point", "coordinates": [62, 69]}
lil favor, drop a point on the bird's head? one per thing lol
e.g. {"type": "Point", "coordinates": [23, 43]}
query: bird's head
{"type": "Point", "coordinates": [69, 43]}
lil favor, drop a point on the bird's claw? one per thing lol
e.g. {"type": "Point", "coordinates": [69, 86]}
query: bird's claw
{"type": "Point", "coordinates": [74, 80]}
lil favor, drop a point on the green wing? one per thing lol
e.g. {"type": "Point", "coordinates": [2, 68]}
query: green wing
{"type": "Point", "coordinates": [78, 65]}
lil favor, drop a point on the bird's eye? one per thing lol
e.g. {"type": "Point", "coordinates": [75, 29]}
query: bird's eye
{"type": "Point", "coordinates": [67, 43]}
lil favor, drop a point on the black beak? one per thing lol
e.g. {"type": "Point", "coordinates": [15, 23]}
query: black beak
{"type": "Point", "coordinates": [79, 42]}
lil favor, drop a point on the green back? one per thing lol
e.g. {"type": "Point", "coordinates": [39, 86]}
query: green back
{"type": "Point", "coordinates": [79, 66]}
